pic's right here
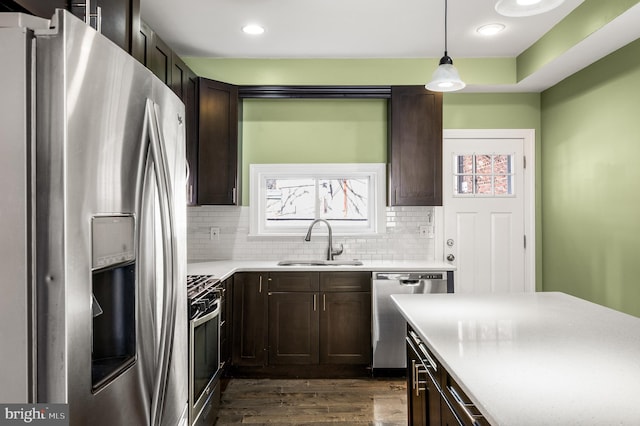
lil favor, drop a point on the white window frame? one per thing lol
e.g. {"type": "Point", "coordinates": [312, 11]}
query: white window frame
{"type": "Point", "coordinates": [259, 173]}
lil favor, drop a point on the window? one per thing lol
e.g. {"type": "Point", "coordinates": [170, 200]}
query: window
{"type": "Point", "coordinates": [286, 198]}
{"type": "Point", "coordinates": [483, 175]}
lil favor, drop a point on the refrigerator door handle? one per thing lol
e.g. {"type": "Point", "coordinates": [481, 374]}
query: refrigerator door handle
{"type": "Point", "coordinates": [167, 218]}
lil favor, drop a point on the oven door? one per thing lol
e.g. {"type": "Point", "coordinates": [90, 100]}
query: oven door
{"type": "Point", "coordinates": [204, 359]}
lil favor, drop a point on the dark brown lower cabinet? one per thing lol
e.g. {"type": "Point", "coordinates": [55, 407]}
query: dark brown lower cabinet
{"type": "Point", "coordinates": [293, 328]}
{"type": "Point", "coordinates": [417, 408]}
{"type": "Point", "coordinates": [345, 318]}
{"type": "Point", "coordinates": [433, 397]}
{"type": "Point", "coordinates": [249, 313]}
{"type": "Point", "coordinates": [312, 319]}
{"type": "Point", "coordinates": [345, 328]}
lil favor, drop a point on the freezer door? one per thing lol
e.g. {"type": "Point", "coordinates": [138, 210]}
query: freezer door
{"type": "Point", "coordinates": [94, 159]}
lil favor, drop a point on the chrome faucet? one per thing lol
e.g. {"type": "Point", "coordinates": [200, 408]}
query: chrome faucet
{"type": "Point", "coordinates": [330, 251]}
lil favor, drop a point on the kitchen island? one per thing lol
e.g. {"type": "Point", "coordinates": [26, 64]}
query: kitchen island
{"type": "Point", "coordinates": [535, 358]}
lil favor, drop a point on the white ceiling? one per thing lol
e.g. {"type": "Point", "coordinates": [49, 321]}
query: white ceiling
{"type": "Point", "coordinates": [356, 29]}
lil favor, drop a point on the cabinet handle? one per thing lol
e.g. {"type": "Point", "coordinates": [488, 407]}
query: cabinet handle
{"type": "Point", "coordinates": [99, 19]}
{"type": "Point", "coordinates": [260, 285]}
{"type": "Point", "coordinates": [419, 369]}
{"type": "Point", "coordinates": [314, 302]}
{"type": "Point", "coordinates": [324, 302]}
{"type": "Point", "coordinates": [464, 406]}
{"type": "Point", "coordinates": [234, 196]}
{"type": "Point", "coordinates": [413, 374]}
{"type": "Point", "coordinates": [430, 361]}
{"type": "Point", "coordinates": [88, 15]}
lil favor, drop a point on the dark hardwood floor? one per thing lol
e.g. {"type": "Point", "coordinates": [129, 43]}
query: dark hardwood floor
{"type": "Point", "coordinates": [379, 402]}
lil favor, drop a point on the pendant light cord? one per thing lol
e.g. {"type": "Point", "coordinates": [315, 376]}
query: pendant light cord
{"type": "Point", "coordinates": [445, 28]}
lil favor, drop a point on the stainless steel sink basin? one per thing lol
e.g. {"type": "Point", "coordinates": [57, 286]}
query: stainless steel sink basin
{"type": "Point", "coordinates": [319, 263]}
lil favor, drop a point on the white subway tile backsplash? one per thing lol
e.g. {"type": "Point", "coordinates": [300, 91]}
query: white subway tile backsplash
{"type": "Point", "coordinates": [401, 241]}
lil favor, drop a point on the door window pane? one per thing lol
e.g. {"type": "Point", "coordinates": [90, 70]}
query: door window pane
{"type": "Point", "coordinates": [485, 175]}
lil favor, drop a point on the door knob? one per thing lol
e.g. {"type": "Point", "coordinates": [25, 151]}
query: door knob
{"type": "Point", "coordinates": [451, 257]}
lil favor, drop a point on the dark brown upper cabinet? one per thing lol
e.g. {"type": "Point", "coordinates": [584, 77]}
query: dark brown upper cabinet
{"type": "Point", "coordinates": [184, 83]}
{"type": "Point", "coordinates": [217, 143]}
{"type": "Point", "coordinates": [415, 147]}
{"type": "Point", "coordinates": [154, 53]}
{"type": "Point", "coordinates": [120, 19]}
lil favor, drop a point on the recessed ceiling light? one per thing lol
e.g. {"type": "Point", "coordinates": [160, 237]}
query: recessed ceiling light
{"type": "Point", "coordinates": [253, 29]}
{"type": "Point", "coordinates": [490, 29]}
{"type": "Point", "coordinates": [516, 8]}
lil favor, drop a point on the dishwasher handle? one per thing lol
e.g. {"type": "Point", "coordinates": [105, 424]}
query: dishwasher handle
{"type": "Point", "coordinates": [410, 283]}
{"type": "Point", "coordinates": [410, 276]}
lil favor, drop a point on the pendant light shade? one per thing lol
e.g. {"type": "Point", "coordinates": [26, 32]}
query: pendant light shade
{"type": "Point", "coordinates": [518, 8]}
{"type": "Point", "coordinates": [445, 78]}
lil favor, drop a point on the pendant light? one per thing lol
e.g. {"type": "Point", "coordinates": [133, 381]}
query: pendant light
{"type": "Point", "coordinates": [518, 8]}
{"type": "Point", "coordinates": [445, 78]}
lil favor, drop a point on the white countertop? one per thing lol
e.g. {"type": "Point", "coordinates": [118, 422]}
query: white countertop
{"type": "Point", "coordinates": [224, 268]}
{"type": "Point", "coordinates": [536, 358]}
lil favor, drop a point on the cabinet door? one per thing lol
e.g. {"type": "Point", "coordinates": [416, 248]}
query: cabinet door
{"type": "Point", "coordinates": [417, 410]}
{"type": "Point", "coordinates": [191, 112]}
{"type": "Point", "coordinates": [448, 417]}
{"type": "Point", "coordinates": [415, 147]}
{"type": "Point", "coordinates": [217, 143]}
{"type": "Point", "coordinates": [460, 409]}
{"type": "Point", "coordinates": [293, 328]}
{"type": "Point", "coordinates": [249, 315]}
{"type": "Point", "coordinates": [345, 328]}
{"type": "Point", "coordinates": [152, 52]}
{"type": "Point", "coordinates": [119, 19]}
{"type": "Point", "coordinates": [184, 83]}
{"type": "Point", "coordinates": [159, 59]}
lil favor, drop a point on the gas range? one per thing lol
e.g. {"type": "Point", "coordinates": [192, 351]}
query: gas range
{"type": "Point", "coordinates": [202, 292]}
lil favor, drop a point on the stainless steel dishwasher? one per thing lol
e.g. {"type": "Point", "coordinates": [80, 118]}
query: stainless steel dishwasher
{"type": "Point", "coordinates": [388, 325]}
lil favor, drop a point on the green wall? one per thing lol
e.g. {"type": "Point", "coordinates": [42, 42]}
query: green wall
{"type": "Point", "coordinates": [591, 182]}
{"type": "Point", "coordinates": [324, 131]}
{"type": "Point", "coordinates": [312, 131]}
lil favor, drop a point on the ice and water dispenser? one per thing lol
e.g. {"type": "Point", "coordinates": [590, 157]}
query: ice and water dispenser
{"type": "Point", "coordinates": [113, 297]}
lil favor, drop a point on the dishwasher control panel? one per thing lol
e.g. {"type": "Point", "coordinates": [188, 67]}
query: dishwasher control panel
{"type": "Point", "coordinates": [410, 276]}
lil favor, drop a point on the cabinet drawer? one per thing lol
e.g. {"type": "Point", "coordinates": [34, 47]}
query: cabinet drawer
{"type": "Point", "coordinates": [465, 410]}
{"type": "Point", "coordinates": [293, 281]}
{"type": "Point", "coordinates": [345, 281]}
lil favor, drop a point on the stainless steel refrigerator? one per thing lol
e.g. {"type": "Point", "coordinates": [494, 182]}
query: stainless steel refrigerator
{"type": "Point", "coordinates": [92, 228]}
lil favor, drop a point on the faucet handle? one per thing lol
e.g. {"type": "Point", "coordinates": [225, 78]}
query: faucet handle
{"type": "Point", "coordinates": [337, 252]}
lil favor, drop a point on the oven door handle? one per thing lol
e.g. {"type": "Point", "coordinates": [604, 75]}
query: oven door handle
{"type": "Point", "coordinates": [206, 317]}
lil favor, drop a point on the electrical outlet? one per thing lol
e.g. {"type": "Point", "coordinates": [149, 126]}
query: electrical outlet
{"type": "Point", "coordinates": [214, 233]}
{"type": "Point", "coordinates": [424, 231]}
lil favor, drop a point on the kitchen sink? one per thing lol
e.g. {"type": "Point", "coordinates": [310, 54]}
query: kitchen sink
{"type": "Point", "coordinates": [320, 263]}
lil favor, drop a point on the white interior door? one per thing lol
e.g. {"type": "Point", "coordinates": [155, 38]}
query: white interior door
{"type": "Point", "coordinates": [485, 198]}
